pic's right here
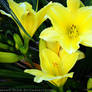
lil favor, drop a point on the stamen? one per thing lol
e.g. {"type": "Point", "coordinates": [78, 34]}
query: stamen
{"type": "Point", "coordinates": [73, 31]}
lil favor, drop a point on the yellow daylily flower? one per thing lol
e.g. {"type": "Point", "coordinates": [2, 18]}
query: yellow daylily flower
{"type": "Point", "coordinates": [72, 25]}
{"type": "Point", "coordinates": [55, 64]}
{"type": "Point", "coordinates": [29, 18]}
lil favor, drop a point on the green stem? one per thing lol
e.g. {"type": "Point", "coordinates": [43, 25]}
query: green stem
{"type": "Point", "coordinates": [37, 5]}
{"type": "Point", "coordinates": [61, 89]}
{"type": "Point", "coordinates": [26, 45]}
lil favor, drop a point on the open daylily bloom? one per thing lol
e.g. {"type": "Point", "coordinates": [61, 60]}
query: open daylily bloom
{"type": "Point", "coordinates": [55, 64]}
{"type": "Point", "coordinates": [29, 18]}
{"type": "Point", "coordinates": [72, 25]}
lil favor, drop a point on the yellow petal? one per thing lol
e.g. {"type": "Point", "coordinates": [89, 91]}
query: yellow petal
{"type": "Point", "coordinates": [4, 13]}
{"type": "Point", "coordinates": [73, 5]}
{"type": "Point", "coordinates": [18, 9]}
{"type": "Point", "coordinates": [41, 14]}
{"type": "Point", "coordinates": [42, 45]}
{"type": "Point", "coordinates": [70, 45]}
{"type": "Point", "coordinates": [84, 17]}
{"type": "Point", "coordinates": [85, 30]}
{"type": "Point", "coordinates": [34, 72]}
{"type": "Point", "coordinates": [49, 34]}
{"type": "Point", "coordinates": [40, 76]}
{"type": "Point", "coordinates": [59, 16]}
{"type": "Point", "coordinates": [61, 82]}
{"type": "Point", "coordinates": [54, 46]}
{"type": "Point", "coordinates": [81, 55]}
{"type": "Point", "coordinates": [48, 63]}
{"type": "Point", "coordinates": [47, 52]}
{"type": "Point", "coordinates": [86, 38]}
{"type": "Point", "coordinates": [29, 22]}
{"type": "Point", "coordinates": [68, 60]}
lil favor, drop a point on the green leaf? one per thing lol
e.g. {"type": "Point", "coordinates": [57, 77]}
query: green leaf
{"type": "Point", "coordinates": [34, 4]}
{"type": "Point", "coordinates": [14, 74]}
{"type": "Point", "coordinates": [88, 2]}
{"type": "Point", "coordinates": [9, 84]}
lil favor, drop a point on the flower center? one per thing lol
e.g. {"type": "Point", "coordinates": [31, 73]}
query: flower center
{"type": "Point", "coordinates": [73, 31]}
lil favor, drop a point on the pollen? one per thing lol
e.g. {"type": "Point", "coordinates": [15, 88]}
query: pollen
{"type": "Point", "coordinates": [55, 64]}
{"type": "Point", "coordinates": [73, 31]}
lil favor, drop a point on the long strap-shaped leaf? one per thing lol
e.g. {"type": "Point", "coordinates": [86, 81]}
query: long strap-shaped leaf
{"type": "Point", "coordinates": [5, 5]}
